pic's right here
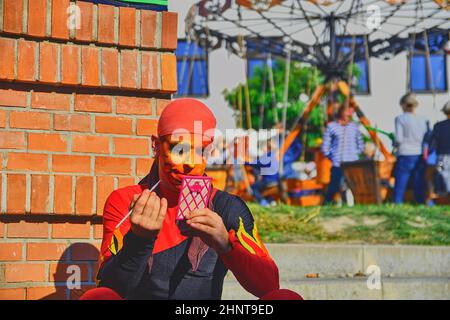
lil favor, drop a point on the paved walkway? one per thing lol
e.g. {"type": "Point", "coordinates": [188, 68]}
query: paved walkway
{"type": "Point", "coordinates": [353, 271]}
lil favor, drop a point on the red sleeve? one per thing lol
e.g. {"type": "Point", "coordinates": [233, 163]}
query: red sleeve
{"type": "Point", "coordinates": [116, 207]}
{"type": "Point", "coordinates": [251, 263]}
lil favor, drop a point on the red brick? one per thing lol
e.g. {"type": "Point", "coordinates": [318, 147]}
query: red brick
{"type": "Point", "coordinates": [110, 68]}
{"type": "Point", "coordinates": [94, 144]}
{"type": "Point", "coordinates": [13, 16]}
{"type": "Point", "coordinates": [161, 104]}
{"type": "Point", "coordinates": [12, 98]}
{"type": "Point", "coordinates": [127, 26]}
{"type": "Point", "coordinates": [90, 75]}
{"type": "Point", "coordinates": [27, 161]}
{"type": "Point", "coordinates": [12, 294]}
{"type": "Point", "coordinates": [24, 229]}
{"type": "Point", "coordinates": [106, 22]}
{"type": "Point", "coordinates": [72, 122]}
{"type": "Point", "coordinates": [48, 60]}
{"type": "Point", "coordinates": [108, 165]}
{"type": "Point", "coordinates": [143, 166]}
{"type": "Point", "coordinates": [70, 230]}
{"type": "Point", "coordinates": [16, 193]}
{"type": "Point", "coordinates": [169, 72]}
{"type": "Point", "coordinates": [149, 69]}
{"type": "Point", "coordinates": [2, 118]}
{"type": "Point", "coordinates": [131, 146]}
{"type": "Point", "coordinates": [47, 142]}
{"type": "Point", "coordinates": [12, 140]}
{"type": "Point", "coordinates": [169, 30]}
{"type": "Point", "coordinates": [10, 251]}
{"type": "Point", "coordinates": [132, 105]}
{"type": "Point", "coordinates": [63, 195]}
{"type": "Point", "coordinates": [117, 125]}
{"type": "Point", "coordinates": [98, 231]}
{"type": "Point", "coordinates": [60, 271]}
{"type": "Point", "coordinates": [23, 272]}
{"type": "Point", "coordinates": [146, 127]}
{"type": "Point", "coordinates": [26, 64]}
{"type": "Point", "coordinates": [148, 28]}
{"type": "Point", "coordinates": [85, 33]}
{"type": "Point", "coordinates": [59, 19]}
{"type": "Point", "coordinates": [2, 228]}
{"type": "Point", "coordinates": [69, 64]}
{"type": "Point", "coordinates": [45, 251]}
{"type": "Point", "coordinates": [37, 15]}
{"type": "Point", "coordinates": [46, 293]}
{"type": "Point", "coordinates": [50, 101]}
{"type": "Point", "coordinates": [40, 194]}
{"type": "Point", "coordinates": [93, 103]}
{"type": "Point", "coordinates": [29, 120]}
{"type": "Point", "coordinates": [71, 163]}
{"type": "Point", "coordinates": [105, 185]}
{"type": "Point", "coordinates": [128, 69]}
{"type": "Point", "coordinates": [125, 182]}
{"type": "Point", "coordinates": [7, 58]}
{"type": "Point", "coordinates": [84, 192]}
{"type": "Point", "coordinates": [83, 251]}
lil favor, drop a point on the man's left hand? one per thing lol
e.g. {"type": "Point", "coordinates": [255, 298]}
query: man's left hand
{"type": "Point", "coordinates": [209, 226]}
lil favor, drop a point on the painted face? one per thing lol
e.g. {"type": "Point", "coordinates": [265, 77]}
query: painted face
{"type": "Point", "coordinates": [179, 156]}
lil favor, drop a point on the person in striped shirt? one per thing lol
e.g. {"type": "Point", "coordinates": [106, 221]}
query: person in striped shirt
{"type": "Point", "coordinates": [342, 142]}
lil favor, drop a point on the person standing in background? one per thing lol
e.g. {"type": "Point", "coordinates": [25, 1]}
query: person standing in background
{"type": "Point", "coordinates": [342, 142]}
{"type": "Point", "coordinates": [440, 141]}
{"type": "Point", "coordinates": [411, 135]}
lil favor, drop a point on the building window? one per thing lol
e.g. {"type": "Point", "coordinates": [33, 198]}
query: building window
{"type": "Point", "coordinates": [361, 76]}
{"type": "Point", "coordinates": [428, 74]}
{"type": "Point", "coordinates": [192, 70]}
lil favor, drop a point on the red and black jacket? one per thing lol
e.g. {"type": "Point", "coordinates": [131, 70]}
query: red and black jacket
{"type": "Point", "coordinates": [179, 267]}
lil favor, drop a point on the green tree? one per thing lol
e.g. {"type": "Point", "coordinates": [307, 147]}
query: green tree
{"type": "Point", "coordinates": [303, 80]}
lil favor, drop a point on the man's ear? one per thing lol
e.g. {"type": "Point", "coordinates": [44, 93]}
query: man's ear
{"type": "Point", "coordinates": [156, 146]}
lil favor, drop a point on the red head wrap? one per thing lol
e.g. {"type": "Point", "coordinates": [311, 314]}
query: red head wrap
{"type": "Point", "coordinates": [183, 114]}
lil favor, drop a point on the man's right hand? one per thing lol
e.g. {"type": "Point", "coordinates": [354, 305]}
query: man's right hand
{"type": "Point", "coordinates": [148, 214]}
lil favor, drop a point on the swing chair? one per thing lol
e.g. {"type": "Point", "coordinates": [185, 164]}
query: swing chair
{"type": "Point", "coordinates": [311, 29]}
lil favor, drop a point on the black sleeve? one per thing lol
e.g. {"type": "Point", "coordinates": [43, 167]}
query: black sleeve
{"type": "Point", "coordinates": [232, 208]}
{"type": "Point", "coordinates": [123, 271]}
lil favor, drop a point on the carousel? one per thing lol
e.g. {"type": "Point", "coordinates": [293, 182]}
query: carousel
{"type": "Point", "coordinates": [331, 36]}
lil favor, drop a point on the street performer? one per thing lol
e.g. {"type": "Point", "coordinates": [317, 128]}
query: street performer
{"type": "Point", "coordinates": [150, 257]}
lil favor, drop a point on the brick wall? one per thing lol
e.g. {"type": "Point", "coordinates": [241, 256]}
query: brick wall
{"type": "Point", "coordinates": [76, 109]}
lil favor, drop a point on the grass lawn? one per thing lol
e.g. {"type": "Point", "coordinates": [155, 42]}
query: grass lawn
{"type": "Point", "coordinates": [385, 224]}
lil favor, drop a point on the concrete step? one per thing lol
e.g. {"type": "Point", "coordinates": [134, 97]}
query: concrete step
{"type": "Point", "coordinates": [337, 260]}
{"type": "Point", "coordinates": [407, 288]}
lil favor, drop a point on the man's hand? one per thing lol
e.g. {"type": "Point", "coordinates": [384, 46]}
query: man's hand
{"type": "Point", "coordinates": [148, 214]}
{"type": "Point", "coordinates": [209, 226]}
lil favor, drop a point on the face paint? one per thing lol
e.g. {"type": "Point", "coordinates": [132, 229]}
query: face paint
{"type": "Point", "coordinates": [181, 156]}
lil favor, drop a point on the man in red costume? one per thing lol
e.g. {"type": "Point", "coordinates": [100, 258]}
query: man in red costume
{"type": "Point", "coordinates": [149, 257]}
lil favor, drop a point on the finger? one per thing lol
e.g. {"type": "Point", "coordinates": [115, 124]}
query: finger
{"type": "Point", "coordinates": [140, 203]}
{"type": "Point", "coordinates": [133, 202]}
{"type": "Point", "coordinates": [162, 210]}
{"type": "Point", "coordinates": [148, 209]}
{"type": "Point", "coordinates": [203, 228]}
{"type": "Point", "coordinates": [198, 212]}
{"type": "Point", "coordinates": [156, 207]}
{"type": "Point", "coordinates": [206, 220]}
